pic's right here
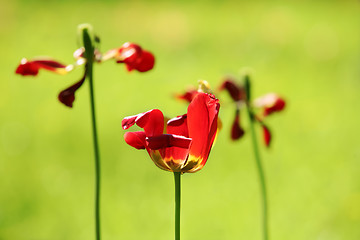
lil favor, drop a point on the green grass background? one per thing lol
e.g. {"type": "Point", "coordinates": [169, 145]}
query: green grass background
{"type": "Point", "coordinates": [307, 51]}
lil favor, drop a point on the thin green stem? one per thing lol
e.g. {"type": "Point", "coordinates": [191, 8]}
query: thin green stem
{"type": "Point", "coordinates": [89, 53]}
{"type": "Point", "coordinates": [260, 172]}
{"type": "Point", "coordinates": [177, 178]}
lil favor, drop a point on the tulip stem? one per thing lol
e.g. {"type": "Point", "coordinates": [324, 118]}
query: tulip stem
{"type": "Point", "coordinates": [177, 178]}
{"type": "Point", "coordinates": [260, 172]}
{"type": "Point", "coordinates": [89, 53]}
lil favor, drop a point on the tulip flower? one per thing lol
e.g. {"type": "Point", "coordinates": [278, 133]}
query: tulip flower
{"type": "Point", "coordinates": [182, 144]}
{"type": "Point", "coordinates": [132, 55]}
{"type": "Point", "coordinates": [185, 144]}
{"type": "Point", "coordinates": [269, 103]}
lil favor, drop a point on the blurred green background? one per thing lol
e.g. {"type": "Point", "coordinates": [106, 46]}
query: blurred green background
{"type": "Point", "coordinates": [307, 51]}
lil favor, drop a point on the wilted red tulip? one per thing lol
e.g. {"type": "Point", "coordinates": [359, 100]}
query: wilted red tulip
{"type": "Point", "coordinates": [131, 54]}
{"type": "Point", "coordinates": [269, 103]}
{"type": "Point", "coordinates": [185, 143]}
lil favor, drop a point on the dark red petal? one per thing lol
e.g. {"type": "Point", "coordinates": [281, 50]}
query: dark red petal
{"type": "Point", "coordinates": [202, 124]}
{"type": "Point", "coordinates": [151, 121]}
{"type": "Point", "coordinates": [135, 139]}
{"type": "Point", "coordinates": [178, 126]}
{"type": "Point", "coordinates": [267, 135]}
{"type": "Point", "coordinates": [188, 95]}
{"type": "Point", "coordinates": [67, 96]}
{"type": "Point", "coordinates": [32, 67]}
{"type": "Point", "coordinates": [236, 130]}
{"type": "Point", "coordinates": [236, 92]}
{"type": "Point", "coordinates": [278, 106]}
{"type": "Point", "coordinates": [27, 68]}
{"type": "Point", "coordinates": [168, 140]}
{"type": "Point", "coordinates": [145, 62]}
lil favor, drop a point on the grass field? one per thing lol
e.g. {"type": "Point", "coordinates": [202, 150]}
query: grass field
{"type": "Point", "coordinates": [306, 51]}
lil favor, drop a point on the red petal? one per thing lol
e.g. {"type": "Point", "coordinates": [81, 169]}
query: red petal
{"type": "Point", "coordinates": [267, 135]}
{"type": "Point", "coordinates": [277, 106]}
{"type": "Point", "coordinates": [178, 126]}
{"type": "Point", "coordinates": [32, 67]}
{"type": "Point", "coordinates": [202, 124]}
{"type": "Point", "coordinates": [236, 130]}
{"type": "Point", "coordinates": [188, 95]}
{"type": "Point", "coordinates": [151, 121]}
{"type": "Point", "coordinates": [135, 139]}
{"type": "Point", "coordinates": [145, 62]}
{"type": "Point", "coordinates": [67, 96]}
{"type": "Point", "coordinates": [236, 92]}
{"type": "Point", "coordinates": [168, 140]}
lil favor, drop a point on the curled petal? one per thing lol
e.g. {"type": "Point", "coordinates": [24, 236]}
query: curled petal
{"type": "Point", "coordinates": [134, 57]}
{"type": "Point", "coordinates": [151, 121]}
{"type": "Point", "coordinates": [267, 135]}
{"type": "Point", "coordinates": [135, 139]}
{"type": "Point", "coordinates": [236, 130]}
{"type": "Point", "coordinates": [168, 140]}
{"type": "Point", "coordinates": [236, 92]}
{"type": "Point", "coordinates": [67, 96]}
{"type": "Point", "coordinates": [32, 68]}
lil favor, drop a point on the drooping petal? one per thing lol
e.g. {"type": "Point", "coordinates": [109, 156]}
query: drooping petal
{"type": "Point", "coordinates": [67, 96]}
{"type": "Point", "coordinates": [267, 135]}
{"type": "Point", "coordinates": [31, 68]}
{"type": "Point", "coordinates": [202, 124]}
{"type": "Point", "coordinates": [136, 139]}
{"type": "Point", "coordinates": [236, 92]}
{"type": "Point", "coordinates": [236, 130]}
{"type": "Point", "coordinates": [151, 121]}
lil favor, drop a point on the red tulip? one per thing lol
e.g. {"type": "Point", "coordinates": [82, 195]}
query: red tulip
{"type": "Point", "coordinates": [185, 144]}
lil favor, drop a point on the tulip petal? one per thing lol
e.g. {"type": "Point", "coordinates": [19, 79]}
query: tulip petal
{"type": "Point", "coordinates": [178, 126]}
{"type": "Point", "coordinates": [31, 68]}
{"type": "Point", "coordinates": [236, 130]}
{"type": "Point", "coordinates": [135, 139]}
{"type": "Point", "coordinates": [236, 92]}
{"type": "Point", "coordinates": [202, 124]}
{"type": "Point", "coordinates": [145, 62]}
{"type": "Point", "coordinates": [67, 96]}
{"type": "Point", "coordinates": [151, 121]}
{"type": "Point", "coordinates": [267, 135]}
{"type": "Point", "coordinates": [168, 140]}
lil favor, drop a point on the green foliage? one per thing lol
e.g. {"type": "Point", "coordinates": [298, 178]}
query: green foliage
{"type": "Point", "coordinates": [307, 52]}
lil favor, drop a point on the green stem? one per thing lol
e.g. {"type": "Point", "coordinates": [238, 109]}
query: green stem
{"type": "Point", "coordinates": [89, 53]}
{"type": "Point", "coordinates": [177, 178]}
{"type": "Point", "coordinates": [260, 172]}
